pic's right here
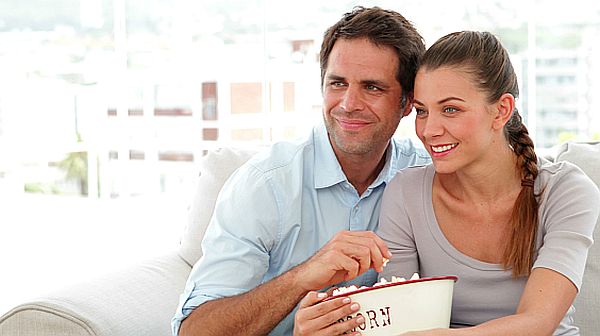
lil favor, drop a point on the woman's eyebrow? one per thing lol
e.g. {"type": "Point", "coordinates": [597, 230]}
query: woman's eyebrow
{"type": "Point", "coordinates": [416, 101]}
{"type": "Point", "coordinates": [450, 98]}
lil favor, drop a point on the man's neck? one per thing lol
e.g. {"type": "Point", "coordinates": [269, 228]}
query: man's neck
{"type": "Point", "coordinates": [362, 169]}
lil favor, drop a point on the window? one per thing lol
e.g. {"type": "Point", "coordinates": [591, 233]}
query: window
{"type": "Point", "coordinates": [152, 76]}
{"type": "Point", "coordinates": [146, 87]}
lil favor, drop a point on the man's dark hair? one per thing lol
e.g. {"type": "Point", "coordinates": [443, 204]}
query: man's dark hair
{"type": "Point", "coordinates": [384, 28]}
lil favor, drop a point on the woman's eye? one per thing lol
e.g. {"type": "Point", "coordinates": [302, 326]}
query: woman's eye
{"type": "Point", "coordinates": [420, 112]}
{"type": "Point", "coordinates": [450, 109]}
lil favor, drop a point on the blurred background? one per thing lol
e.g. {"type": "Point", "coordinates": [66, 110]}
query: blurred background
{"type": "Point", "coordinates": [107, 106]}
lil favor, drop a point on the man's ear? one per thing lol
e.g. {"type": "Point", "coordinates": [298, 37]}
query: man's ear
{"type": "Point", "coordinates": [408, 104]}
{"type": "Point", "coordinates": [503, 110]}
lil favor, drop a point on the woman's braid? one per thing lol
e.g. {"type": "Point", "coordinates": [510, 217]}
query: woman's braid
{"type": "Point", "coordinates": [518, 138]}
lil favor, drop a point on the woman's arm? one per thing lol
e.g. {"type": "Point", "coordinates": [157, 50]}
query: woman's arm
{"type": "Point", "coordinates": [545, 301]}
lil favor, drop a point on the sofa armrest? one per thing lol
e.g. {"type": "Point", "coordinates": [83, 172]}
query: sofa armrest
{"type": "Point", "coordinates": [137, 301]}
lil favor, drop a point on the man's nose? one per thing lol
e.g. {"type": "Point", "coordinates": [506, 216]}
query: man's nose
{"type": "Point", "coordinates": [352, 99]}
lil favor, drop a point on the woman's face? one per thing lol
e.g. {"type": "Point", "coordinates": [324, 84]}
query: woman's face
{"type": "Point", "coordinates": [453, 119]}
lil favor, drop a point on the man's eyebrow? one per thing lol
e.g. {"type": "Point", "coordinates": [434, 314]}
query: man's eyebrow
{"type": "Point", "coordinates": [335, 77]}
{"type": "Point", "coordinates": [375, 82]}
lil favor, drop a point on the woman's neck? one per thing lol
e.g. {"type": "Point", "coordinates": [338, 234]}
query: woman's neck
{"type": "Point", "coordinates": [494, 178]}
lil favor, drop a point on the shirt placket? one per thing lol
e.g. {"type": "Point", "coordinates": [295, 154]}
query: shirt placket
{"type": "Point", "coordinates": [357, 220]}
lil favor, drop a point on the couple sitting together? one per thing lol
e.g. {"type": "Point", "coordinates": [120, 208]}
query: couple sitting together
{"type": "Point", "coordinates": [327, 210]}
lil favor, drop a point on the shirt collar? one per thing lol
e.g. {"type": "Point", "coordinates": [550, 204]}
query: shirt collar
{"type": "Point", "coordinates": [391, 165]}
{"type": "Point", "coordinates": [327, 169]}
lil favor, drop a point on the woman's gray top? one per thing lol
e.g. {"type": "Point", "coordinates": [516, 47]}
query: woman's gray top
{"type": "Point", "coordinates": [570, 205]}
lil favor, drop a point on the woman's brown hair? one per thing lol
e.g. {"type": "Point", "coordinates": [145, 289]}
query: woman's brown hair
{"type": "Point", "coordinates": [482, 56]}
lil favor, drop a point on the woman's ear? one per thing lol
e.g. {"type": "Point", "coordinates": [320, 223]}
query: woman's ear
{"type": "Point", "coordinates": [504, 110]}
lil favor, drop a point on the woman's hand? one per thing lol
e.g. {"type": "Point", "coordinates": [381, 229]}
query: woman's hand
{"type": "Point", "coordinates": [432, 332]}
{"type": "Point", "coordinates": [318, 317]}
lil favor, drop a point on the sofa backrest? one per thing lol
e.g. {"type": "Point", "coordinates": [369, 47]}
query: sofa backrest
{"type": "Point", "coordinates": [215, 167]}
{"type": "Point", "coordinates": [587, 304]}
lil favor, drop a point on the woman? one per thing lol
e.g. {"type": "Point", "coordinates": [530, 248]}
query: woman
{"type": "Point", "coordinates": [514, 228]}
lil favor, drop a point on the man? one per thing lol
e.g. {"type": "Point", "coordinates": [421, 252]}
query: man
{"type": "Point", "coordinates": [299, 218]}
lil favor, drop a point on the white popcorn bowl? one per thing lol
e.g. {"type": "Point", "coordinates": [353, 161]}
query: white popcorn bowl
{"type": "Point", "coordinates": [412, 305]}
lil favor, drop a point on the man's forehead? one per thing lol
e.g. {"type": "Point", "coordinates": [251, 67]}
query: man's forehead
{"type": "Point", "coordinates": [362, 58]}
{"type": "Point", "coordinates": [367, 74]}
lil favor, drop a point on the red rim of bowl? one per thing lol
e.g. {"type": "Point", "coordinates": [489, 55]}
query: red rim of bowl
{"type": "Point", "coordinates": [391, 284]}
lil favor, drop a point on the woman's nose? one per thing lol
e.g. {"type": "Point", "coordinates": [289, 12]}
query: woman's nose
{"type": "Point", "coordinates": [431, 126]}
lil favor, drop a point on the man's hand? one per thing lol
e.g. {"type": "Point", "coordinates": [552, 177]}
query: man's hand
{"type": "Point", "coordinates": [347, 255]}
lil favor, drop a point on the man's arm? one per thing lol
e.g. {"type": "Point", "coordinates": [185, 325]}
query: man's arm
{"type": "Point", "coordinates": [255, 312]}
{"type": "Point", "coordinates": [347, 255]}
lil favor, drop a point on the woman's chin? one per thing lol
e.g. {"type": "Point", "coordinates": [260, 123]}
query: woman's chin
{"type": "Point", "coordinates": [443, 168]}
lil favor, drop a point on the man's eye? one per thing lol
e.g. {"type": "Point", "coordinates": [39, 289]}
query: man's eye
{"type": "Point", "coordinates": [337, 84]}
{"type": "Point", "coordinates": [373, 88]}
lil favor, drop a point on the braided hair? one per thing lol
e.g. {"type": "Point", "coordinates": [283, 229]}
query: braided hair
{"type": "Point", "coordinates": [482, 56]}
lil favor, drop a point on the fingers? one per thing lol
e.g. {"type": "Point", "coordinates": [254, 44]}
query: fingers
{"type": "Point", "coordinates": [344, 257]}
{"type": "Point", "coordinates": [348, 267]}
{"type": "Point", "coordinates": [330, 290]}
{"type": "Point", "coordinates": [317, 317]}
{"type": "Point", "coordinates": [375, 238]}
{"type": "Point", "coordinates": [311, 298]}
{"type": "Point", "coordinates": [348, 326]}
{"type": "Point", "coordinates": [325, 268]}
{"type": "Point", "coordinates": [364, 246]}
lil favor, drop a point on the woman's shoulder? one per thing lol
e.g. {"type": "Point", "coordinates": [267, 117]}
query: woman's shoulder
{"type": "Point", "coordinates": [563, 174]}
{"type": "Point", "coordinates": [556, 168]}
{"type": "Point", "coordinates": [563, 183]}
{"type": "Point", "coordinates": [411, 181]}
{"type": "Point", "coordinates": [414, 174]}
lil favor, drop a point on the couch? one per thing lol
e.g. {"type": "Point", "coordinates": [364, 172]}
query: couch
{"type": "Point", "coordinates": [141, 300]}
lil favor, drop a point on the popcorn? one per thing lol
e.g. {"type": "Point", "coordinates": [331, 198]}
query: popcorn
{"type": "Point", "coordinates": [383, 281]}
{"type": "Point", "coordinates": [342, 290]}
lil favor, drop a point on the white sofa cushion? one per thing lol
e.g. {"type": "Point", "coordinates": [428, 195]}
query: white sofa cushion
{"type": "Point", "coordinates": [587, 304]}
{"type": "Point", "coordinates": [136, 301]}
{"type": "Point", "coordinates": [215, 168]}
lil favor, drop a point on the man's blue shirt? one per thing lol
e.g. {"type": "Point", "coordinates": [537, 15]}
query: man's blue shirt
{"type": "Point", "coordinates": [277, 210]}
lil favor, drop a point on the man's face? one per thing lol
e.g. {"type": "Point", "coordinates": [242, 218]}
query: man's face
{"type": "Point", "coordinates": [362, 98]}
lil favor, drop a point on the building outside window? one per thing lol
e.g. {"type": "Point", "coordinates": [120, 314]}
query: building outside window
{"type": "Point", "coordinates": [142, 89]}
